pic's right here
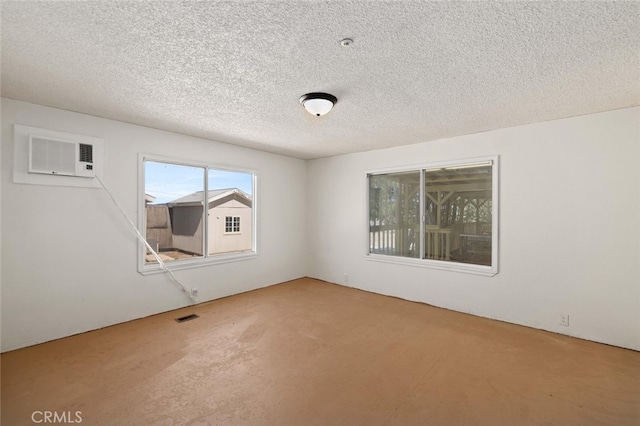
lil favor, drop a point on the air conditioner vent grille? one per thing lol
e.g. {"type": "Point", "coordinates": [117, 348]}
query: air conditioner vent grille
{"type": "Point", "coordinates": [187, 318]}
{"type": "Point", "coordinates": [86, 153]}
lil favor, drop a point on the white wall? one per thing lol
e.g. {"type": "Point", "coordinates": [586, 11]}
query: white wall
{"type": "Point", "coordinates": [569, 230]}
{"type": "Point", "coordinates": [69, 260]}
{"type": "Point", "coordinates": [569, 227]}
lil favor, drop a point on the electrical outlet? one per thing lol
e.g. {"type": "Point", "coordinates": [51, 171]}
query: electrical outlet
{"type": "Point", "coordinates": [346, 278]}
{"type": "Point", "coordinates": [564, 321]}
{"type": "Point", "coordinates": [194, 292]}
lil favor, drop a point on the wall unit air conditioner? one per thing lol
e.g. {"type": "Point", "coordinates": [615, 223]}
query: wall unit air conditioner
{"type": "Point", "coordinates": [60, 157]}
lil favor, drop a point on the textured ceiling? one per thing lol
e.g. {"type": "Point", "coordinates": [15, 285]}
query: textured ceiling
{"type": "Point", "coordinates": [234, 71]}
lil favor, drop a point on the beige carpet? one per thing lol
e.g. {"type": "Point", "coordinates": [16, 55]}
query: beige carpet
{"type": "Point", "coordinates": [309, 352]}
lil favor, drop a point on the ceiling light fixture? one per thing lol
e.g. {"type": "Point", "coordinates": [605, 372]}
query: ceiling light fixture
{"type": "Point", "coordinates": [317, 103]}
{"type": "Point", "coordinates": [346, 42]}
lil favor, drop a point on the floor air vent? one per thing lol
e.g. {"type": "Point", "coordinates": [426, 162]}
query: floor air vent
{"type": "Point", "coordinates": [187, 318]}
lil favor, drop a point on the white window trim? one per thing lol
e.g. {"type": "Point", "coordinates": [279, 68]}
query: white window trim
{"type": "Point", "coordinates": [431, 263]}
{"type": "Point", "coordinates": [154, 268]}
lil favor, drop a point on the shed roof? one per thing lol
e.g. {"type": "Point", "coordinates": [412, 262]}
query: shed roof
{"type": "Point", "coordinates": [214, 195]}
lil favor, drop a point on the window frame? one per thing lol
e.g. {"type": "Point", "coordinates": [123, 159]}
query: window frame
{"type": "Point", "coordinates": [433, 263]}
{"type": "Point", "coordinates": [145, 268]}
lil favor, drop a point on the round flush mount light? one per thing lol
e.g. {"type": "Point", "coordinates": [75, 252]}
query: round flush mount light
{"type": "Point", "coordinates": [318, 103]}
{"type": "Point", "coordinates": [346, 42]}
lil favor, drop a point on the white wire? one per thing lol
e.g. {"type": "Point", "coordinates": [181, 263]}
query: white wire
{"type": "Point", "coordinates": [144, 241]}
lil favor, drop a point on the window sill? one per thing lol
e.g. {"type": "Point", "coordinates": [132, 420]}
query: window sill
{"type": "Point", "coordinates": [196, 263]}
{"type": "Point", "coordinates": [488, 271]}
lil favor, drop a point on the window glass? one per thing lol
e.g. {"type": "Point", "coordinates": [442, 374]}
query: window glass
{"type": "Point", "coordinates": [174, 200]}
{"type": "Point", "coordinates": [230, 202]}
{"type": "Point", "coordinates": [459, 214]}
{"type": "Point", "coordinates": [443, 214]}
{"type": "Point", "coordinates": [394, 203]}
{"type": "Point", "coordinates": [195, 212]}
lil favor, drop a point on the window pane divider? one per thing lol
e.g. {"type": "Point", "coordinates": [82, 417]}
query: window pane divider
{"type": "Point", "coordinates": [422, 213]}
{"type": "Point", "coordinates": [205, 213]}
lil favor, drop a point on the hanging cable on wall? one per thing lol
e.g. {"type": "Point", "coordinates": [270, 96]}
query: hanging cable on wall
{"type": "Point", "coordinates": [194, 300]}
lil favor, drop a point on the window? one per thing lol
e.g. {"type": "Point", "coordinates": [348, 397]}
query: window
{"type": "Point", "coordinates": [192, 213]}
{"type": "Point", "coordinates": [441, 215]}
{"type": "Point", "coordinates": [232, 224]}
